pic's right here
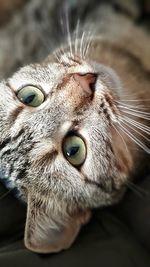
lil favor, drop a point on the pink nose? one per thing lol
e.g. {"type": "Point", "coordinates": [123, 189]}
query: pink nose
{"type": "Point", "coordinates": [86, 81]}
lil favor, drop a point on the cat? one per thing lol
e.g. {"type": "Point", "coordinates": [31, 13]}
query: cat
{"type": "Point", "coordinates": [74, 130]}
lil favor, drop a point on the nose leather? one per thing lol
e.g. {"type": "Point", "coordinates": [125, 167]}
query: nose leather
{"type": "Point", "coordinates": [86, 81]}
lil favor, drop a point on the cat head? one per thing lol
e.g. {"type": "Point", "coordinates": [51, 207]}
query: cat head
{"type": "Point", "coordinates": [60, 146]}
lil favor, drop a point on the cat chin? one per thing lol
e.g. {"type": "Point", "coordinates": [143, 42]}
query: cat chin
{"type": "Point", "coordinates": [47, 231]}
{"type": "Point", "coordinates": [51, 228]}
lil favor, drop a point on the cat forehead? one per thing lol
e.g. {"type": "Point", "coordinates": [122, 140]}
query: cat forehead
{"type": "Point", "coordinates": [46, 77]}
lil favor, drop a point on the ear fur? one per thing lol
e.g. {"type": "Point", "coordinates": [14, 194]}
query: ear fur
{"type": "Point", "coordinates": [47, 232]}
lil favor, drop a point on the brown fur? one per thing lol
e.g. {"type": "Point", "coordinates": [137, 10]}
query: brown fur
{"type": "Point", "coordinates": [59, 195]}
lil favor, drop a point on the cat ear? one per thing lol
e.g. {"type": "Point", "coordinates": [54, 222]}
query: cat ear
{"type": "Point", "coordinates": [47, 232]}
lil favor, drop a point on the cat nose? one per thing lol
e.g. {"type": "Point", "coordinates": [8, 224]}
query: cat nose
{"type": "Point", "coordinates": [86, 81]}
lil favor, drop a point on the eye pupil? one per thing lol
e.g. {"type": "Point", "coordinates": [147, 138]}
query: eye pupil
{"type": "Point", "coordinates": [29, 99]}
{"type": "Point", "coordinates": [72, 151]}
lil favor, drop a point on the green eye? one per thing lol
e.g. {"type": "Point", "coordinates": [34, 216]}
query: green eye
{"type": "Point", "coordinates": [74, 150]}
{"type": "Point", "coordinates": [31, 96]}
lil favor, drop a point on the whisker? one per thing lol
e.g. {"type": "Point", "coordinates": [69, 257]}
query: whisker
{"type": "Point", "coordinates": [5, 194]}
{"type": "Point", "coordinates": [137, 189]}
{"type": "Point", "coordinates": [85, 45]}
{"type": "Point", "coordinates": [135, 100]}
{"type": "Point", "coordinates": [136, 114]}
{"type": "Point", "coordinates": [121, 138]}
{"type": "Point", "coordinates": [81, 45]}
{"type": "Point", "coordinates": [77, 37]}
{"type": "Point", "coordinates": [136, 111]}
{"type": "Point", "coordinates": [57, 56]}
{"type": "Point", "coordinates": [138, 107]}
{"type": "Point", "coordinates": [130, 126]}
{"type": "Point", "coordinates": [89, 42]}
{"type": "Point", "coordinates": [138, 125]}
{"type": "Point", "coordinates": [134, 139]}
{"type": "Point", "coordinates": [68, 31]}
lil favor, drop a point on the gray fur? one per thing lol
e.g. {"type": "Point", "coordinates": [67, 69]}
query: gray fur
{"type": "Point", "coordinates": [59, 196]}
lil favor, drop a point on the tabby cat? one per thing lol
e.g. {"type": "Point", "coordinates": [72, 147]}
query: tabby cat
{"type": "Point", "coordinates": [74, 130]}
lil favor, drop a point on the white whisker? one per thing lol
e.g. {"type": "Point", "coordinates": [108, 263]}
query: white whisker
{"type": "Point", "coordinates": [121, 138]}
{"type": "Point", "coordinates": [135, 100]}
{"type": "Point", "coordinates": [68, 33]}
{"type": "Point", "coordinates": [136, 111]}
{"type": "Point", "coordinates": [134, 139]}
{"type": "Point", "coordinates": [85, 44]}
{"type": "Point", "coordinates": [134, 129]}
{"type": "Point", "coordinates": [56, 55]}
{"type": "Point", "coordinates": [77, 37]}
{"type": "Point", "coordinates": [138, 125]}
{"type": "Point", "coordinates": [89, 41]}
{"type": "Point", "coordinates": [138, 107]}
{"type": "Point", "coordinates": [136, 115]}
{"type": "Point", "coordinates": [81, 44]}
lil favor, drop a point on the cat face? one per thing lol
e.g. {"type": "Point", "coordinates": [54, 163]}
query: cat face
{"type": "Point", "coordinates": [60, 148]}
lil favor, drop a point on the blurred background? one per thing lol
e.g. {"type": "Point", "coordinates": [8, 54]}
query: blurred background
{"type": "Point", "coordinates": [30, 29]}
{"type": "Point", "coordinates": [139, 9]}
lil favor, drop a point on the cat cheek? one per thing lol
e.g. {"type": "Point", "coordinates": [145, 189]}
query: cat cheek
{"type": "Point", "coordinates": [46, 232]}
